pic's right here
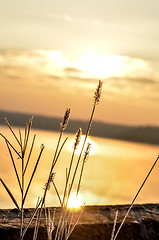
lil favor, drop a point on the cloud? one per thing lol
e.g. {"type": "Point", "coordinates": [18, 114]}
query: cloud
{"type": "Point", "coordinates": [133, 80]}
{"type": "Point", "coordinates": [84, 80]}
{"type": "Point", "coordinates": [95, 22]}
{"type": "Point", "coordinates": [39, 68]}
{"type": "Point", "coordinates": [138, 87]}
{"type": "Point", "coordinates": [113, 65]}
{"type": "Point", "coordinates": [72, 70]}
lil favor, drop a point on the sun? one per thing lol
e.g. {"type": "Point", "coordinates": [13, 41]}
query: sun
{"type": "Point", "coordinates": [101, 66]}
{"type": "Point", "coordinates": [75, 201]}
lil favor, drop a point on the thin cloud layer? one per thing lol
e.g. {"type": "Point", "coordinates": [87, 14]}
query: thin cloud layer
{"type": "Point", "coordinates": [121, 74]}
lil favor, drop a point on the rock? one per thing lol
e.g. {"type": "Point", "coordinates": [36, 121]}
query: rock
{"type": "Point", "coordinates": [95, 223]}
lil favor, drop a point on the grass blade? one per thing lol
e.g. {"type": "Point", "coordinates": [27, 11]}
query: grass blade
{"type": "Point", "coordinates": [135, 198]}
{"type": "Point", "coordinates": [15, 169]}
{"type": "Point", "coordinates": [75, 223]}
{"type": "Point", "coordinates": [114, 225]}
{"type": "Point", "coordinates": [11, 145]}
{"type": "Point", "coordinates": [58, 195]}
{"type": "Point", "coordinates": [42, 148]}
{"type": "Point", "coordinates": [29, 154]}
{"type": "Point", "coordinates": [32, 217]}
{"type": "Point", "coordinates": [6, 121]}
{"type": "Point", "coordinates": [10, 194]}
{"type": "Point", "coordinates": [27, 132]}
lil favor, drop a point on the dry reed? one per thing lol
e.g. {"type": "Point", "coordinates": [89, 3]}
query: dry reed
{"type": "Point", "coordinates": [65, 225]}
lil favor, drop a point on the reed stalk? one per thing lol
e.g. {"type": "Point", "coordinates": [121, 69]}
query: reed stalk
{"type": "Point", "coordinates": [77, 140]}
{"type": "Point", "coordinates": [8, 124]}
{"type": "Point", "coordinates": [97, 95]}
{"type": "Point", "coordinates": [63, 126]}
{"type": "Point", "coordinates": [10, 145]}
{"type": "Point", "coordinates": [62, 229]}
{"type": "Point", "coordinates": [33, 173]}
{"type": "Point", "coordinates": [83, 163]}
{"type": "Point", "coordinates": [30, 220]}
{"type": "Point", "coordinates": [21, 155]}
{"type": "Point", "coordinates": [114, 225]}
{"type": "Point", "coordinates": [132, 203]}
{"type": "Point", "coordinates": [29, 155]}
{"type": "Point", "coordinates": [14, 165]}
{"type": "Point", "coordinates": [10, 194]}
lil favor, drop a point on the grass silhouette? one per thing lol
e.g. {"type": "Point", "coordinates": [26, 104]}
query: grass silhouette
{"type": "Point", "coordinates": [65, 225]}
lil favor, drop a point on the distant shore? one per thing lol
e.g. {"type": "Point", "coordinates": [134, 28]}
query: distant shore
{"type": "Point", "coordinates": [141, 134]}
{"type": "Point", "coordinates": [96, 223]}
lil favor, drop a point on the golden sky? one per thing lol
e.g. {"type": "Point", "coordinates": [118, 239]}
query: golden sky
{"type": "Point", "coordinates": [52, 54]}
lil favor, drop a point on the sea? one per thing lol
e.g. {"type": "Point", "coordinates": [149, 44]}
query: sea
{"type": "Point", "coordinates": [113, 172]}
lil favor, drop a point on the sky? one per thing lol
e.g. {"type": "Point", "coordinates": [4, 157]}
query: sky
{"type": "Point", "coordinates": [52, 54]}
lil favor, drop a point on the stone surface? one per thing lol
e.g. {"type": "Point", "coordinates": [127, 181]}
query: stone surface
{"type": "Point", "coordinates": [96, 222]}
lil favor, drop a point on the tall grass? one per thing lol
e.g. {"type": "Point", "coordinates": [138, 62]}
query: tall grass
{"type": "Point", "coordinates": [65, 225]}
{"type": "Point", "coordinates": [18, 151]}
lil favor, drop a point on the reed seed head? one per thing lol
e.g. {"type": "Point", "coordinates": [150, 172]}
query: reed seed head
{"type": "Point", "coordinates": [65, 119]}
{"type": "Point", "coordinates": [77, 138]}
{"type": "Point", "coordinates": [42, 146]}
{"type": "Point", "coordinates": [31, 121]}
{"type": "Point", "coordinates": [87, 151]}
{"type": "Point", "coordinates": [51, 178]}
{"type": "Point", "coordinates": [6, 121]}
{"type": "Point", "coordinates": [98, 92]}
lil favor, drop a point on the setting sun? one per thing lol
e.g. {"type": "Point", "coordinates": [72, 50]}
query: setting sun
{"type": "Point", "coordinates": [75, 201]}
{"type": "Point", "coordinates": [101, 66]}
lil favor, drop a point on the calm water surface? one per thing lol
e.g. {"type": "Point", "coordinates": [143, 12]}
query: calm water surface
{"type": "Point", "coordinates": [113, 172]}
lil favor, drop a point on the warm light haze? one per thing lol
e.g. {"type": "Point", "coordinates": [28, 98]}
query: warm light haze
{"type": "Point", "coordinates": [50, 51]}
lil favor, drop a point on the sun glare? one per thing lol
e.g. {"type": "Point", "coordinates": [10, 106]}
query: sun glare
{"type": "Point", "coordinates": [79, 147]}
{"type": "Point", "coordinates": [75, 201]}
{"type": "Point", "coordinates": [109, 65]}
{"type": "Point", "coordinates": [101, 66]}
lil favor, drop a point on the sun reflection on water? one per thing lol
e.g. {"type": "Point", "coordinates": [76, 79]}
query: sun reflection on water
{"type": "Point", "coordinates": [79, 147]}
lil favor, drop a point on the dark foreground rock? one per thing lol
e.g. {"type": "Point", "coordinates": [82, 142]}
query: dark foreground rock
{"type": "Point", "coordinates": [96, 223]}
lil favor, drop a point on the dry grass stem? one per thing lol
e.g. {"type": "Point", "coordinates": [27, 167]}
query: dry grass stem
{"type": "Point", "coordinates": [132, 203]}
{"type": "Point", "coordinates": [14, 165]}
{"type": "Point", "coordinates": [29, 154]}
{"type": "Point", "coordinates": [35, 167]}
{"type": "Point", "coordinates": [86, 154]}
{"type": "Point", "coordinates": [10, 194]}
{"type": "Point", "coordinates": [32, 217]}
{"type": "Point", "coordinates": [114, 225]}
{"type": "Point", "coordinates": [77, 140]}
{"type": "Point", "coordinates": [75, 223]}
{"type": "Point", "coordinates": [55, 158]}
{"type": "Point", "coordinates": [58, 195]}
{"type": "Point", "coordinates": [10, 145]}
{"type": "Point", "coordinates": [65, 226]}
{"type": "Point", "coordinates": [6, 121]}
{"type": "Point", "coordinates": [36, 225]}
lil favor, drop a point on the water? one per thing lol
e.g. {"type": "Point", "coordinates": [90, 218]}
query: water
{"type": "Point", "coordinates": [112, 175]}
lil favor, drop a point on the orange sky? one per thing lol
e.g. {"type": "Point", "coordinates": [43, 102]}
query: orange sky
{"type": "Point", "coordinates": [52, 55]}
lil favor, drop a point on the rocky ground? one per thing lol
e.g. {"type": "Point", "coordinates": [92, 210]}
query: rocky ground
{"type": "Point", "coordinates": [96, 222]}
